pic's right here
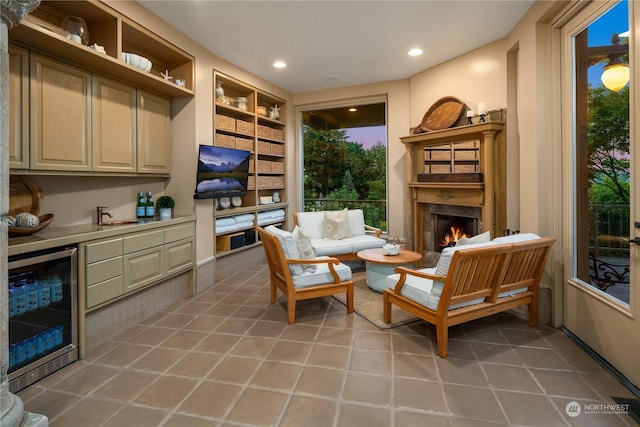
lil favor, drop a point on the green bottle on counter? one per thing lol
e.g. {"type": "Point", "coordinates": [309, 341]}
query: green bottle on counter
{"type": "Point", "coordinates": [149, 210]}
{"type": "Point", "coordinates": [140, 206]}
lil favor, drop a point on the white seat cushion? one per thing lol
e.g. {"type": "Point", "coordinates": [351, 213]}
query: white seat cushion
{"type": "Point", "coordinates": [331, 247]}
{"type": "Point", "coordinates": [322, 275]}
{"type": "Point", "coordinates": [419, 289]}
{"type": "Point", "coordinates": [363, 242]}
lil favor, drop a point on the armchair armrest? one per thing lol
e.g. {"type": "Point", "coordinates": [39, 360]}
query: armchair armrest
{"type": "Point", "coordinates": [374, 229]}
{"type": "Point", "coordinates": [404, 272]}
{"type": "Point", "coordinates": [329, 261]}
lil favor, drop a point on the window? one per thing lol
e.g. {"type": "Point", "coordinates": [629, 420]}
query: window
{"type": "Point", "coordinates": [345, 160]}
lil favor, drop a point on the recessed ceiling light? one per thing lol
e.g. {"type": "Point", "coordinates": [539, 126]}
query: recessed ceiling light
{"type": "Point", "coordinates": [415, 52]}
{"type": "Point", "coordinates": [353, 109]}
{"type": "Point", "coordinates": [279, 64]}
{"type": "Point", "coordinates": [331, 79]}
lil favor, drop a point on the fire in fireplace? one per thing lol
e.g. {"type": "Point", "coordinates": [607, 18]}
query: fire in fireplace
{"type": "Point", "coordinates": [449, 229]}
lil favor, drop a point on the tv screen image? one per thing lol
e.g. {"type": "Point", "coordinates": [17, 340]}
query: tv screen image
{"type": "Point", "coordinates": [222, 172]}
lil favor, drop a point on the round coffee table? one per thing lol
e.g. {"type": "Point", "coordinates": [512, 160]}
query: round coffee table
{"type": "Point", "coordinates": [380, 266]}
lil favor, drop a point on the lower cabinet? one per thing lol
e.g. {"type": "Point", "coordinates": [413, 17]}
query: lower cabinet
{"type": "Point", "coordinates": [118, 266]}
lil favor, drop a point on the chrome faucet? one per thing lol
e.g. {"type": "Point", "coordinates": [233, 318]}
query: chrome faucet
{"type": "Point", "coordinates": [102, 213]}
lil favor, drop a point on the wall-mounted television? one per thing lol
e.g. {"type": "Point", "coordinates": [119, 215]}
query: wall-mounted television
{"type": "Point", "coordinates": [222, 172]}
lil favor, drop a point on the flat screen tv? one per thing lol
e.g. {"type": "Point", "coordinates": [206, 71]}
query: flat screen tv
{"type": "Point", "coordinates": [222, 172]}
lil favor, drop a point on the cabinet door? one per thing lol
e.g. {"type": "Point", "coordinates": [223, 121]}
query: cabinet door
{"type": "Point", "coordinates": [154, 133]}
{"type": "Point", "coordinates": [60, 120]}
{"type": "Point", "coordinates": [143, 268]}
{"type": "Point", "coordinates": [114, 126]}
{"type": "Point", "coordinates": [180, 256]}
{"type": "Point", "coordinates": [18, 108]}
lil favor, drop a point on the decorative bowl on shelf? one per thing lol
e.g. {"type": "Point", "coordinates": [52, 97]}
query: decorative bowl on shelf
{"type": "Point", "coordinates": [137, 61]}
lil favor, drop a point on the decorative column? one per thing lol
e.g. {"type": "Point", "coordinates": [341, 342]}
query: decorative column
{"type": "Point", "coordinates": [11, 408]}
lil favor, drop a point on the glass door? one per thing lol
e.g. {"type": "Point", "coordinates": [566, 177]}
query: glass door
{"type": "Point", "coordinates": [600, 300]}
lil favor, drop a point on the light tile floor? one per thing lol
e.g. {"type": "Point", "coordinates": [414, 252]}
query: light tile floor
{"type": "Point", "coordinates": [228, 358]}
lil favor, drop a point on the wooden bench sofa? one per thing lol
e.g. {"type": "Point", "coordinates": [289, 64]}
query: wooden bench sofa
{"type": "Point", "coordinates": [482, 279]}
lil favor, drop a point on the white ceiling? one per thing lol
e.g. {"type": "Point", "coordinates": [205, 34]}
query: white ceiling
{"type": "Point", "coordinates": [329, 44]}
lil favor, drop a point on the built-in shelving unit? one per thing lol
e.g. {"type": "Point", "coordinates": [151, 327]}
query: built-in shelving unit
{"type": "Point", "coordinates": [243, 119]}
{"type": "Point", "coordinates": [41, 31]}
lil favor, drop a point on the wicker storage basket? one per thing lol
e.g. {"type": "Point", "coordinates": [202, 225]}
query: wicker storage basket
{"type": "Point", "coordinates": [277, 149]}
{"type": "Point", "coordinates": [264, 166]}
{"type": "Point", "coordinates": [277, 134]}
{"type": "Point", "coordinates": [264, 147]}
{"type": "Point", "coordinates": [277, 167]}
{"type": "Point", "coordinates": [225, 123]}
{"type": "Point", "coordinates": [244, 144]}
{"type": "Point", "coordinates": [264, 131]}
{"type": "Point", "coordinates": [226, 141]}
{"type": "Point", "coordinates": [246, 128]}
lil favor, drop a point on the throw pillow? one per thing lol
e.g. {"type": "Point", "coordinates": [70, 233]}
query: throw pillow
{"type": "Point", "coordinates": [336, 224]}
{"type": "Point", "coordinates": [289, 248]}
{"type": "Point", "coordinates": [303, 243]}
{"type": "Point", "coordinates": [478, 238]}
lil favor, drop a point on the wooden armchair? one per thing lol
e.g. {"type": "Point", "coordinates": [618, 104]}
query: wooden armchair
{"type": "Point", "coordinates": [331, 277]}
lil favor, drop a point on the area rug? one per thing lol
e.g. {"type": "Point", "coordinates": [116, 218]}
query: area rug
{"type": "Point", "coordinates": [368, 304]}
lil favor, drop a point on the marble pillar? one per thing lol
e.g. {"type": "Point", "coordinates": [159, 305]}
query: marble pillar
{"type": "Point", "coordinates": [12, 412]}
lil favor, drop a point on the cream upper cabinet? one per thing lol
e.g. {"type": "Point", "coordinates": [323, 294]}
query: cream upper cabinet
{"type": "Point", "coordinates": [114, 126]}
{"type": "Point", "coordinates": [154, 133]}
{"type": "Point", "coordinates": [18, 108]}
{"type": "Point", "coordinates": [60, 121]}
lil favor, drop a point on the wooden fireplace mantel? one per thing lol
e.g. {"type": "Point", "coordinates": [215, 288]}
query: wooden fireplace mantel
{"type": "Point", "coordinates": [489, 194]}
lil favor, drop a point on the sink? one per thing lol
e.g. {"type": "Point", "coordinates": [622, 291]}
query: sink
{"type": "Point", "coordinates": [121, 222]}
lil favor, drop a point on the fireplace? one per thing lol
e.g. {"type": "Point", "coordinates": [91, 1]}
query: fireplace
{"type": "Point", "coordinates": [446, 197]}
{"type": "Point", "coordinates": [443, 225]}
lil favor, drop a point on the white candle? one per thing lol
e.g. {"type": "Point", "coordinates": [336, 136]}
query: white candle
{"type": "Point", "coordinates": [75, 37]}
{"type": "Point", "coordinates": [470, 113]}
{"type": "Point", "coordinates": [482, 108]}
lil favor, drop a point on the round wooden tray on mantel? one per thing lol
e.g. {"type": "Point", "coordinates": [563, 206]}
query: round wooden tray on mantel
{"type": "Point", "coordinates": [443, 114]}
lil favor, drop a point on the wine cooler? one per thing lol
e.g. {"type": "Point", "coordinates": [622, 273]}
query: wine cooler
{"type": "Point", "coordinates": [43, 333]}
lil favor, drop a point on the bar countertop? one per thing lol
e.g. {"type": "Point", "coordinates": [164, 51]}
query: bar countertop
{"type": "Point", "coordinates": [52, 237]}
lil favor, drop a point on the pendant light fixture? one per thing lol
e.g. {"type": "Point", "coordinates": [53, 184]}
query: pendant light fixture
{"type": "Point", "coordinates": [616, 73]}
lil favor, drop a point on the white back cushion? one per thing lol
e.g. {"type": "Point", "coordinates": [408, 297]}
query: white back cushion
{"type": "Point", "coordinates": [289, 248]}
{"type": "Point", "coordinates": [513, 238]}
{"type": "Point", "coordinates": [478, 238]}
{"type": "Point", "coordinates": [312, 223]}
{"type": "Point", "coordinates": [356, 222]}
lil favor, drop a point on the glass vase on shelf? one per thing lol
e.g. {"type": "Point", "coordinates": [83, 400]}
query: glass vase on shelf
{"type": "Point", "coordinates": [76, 29]}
